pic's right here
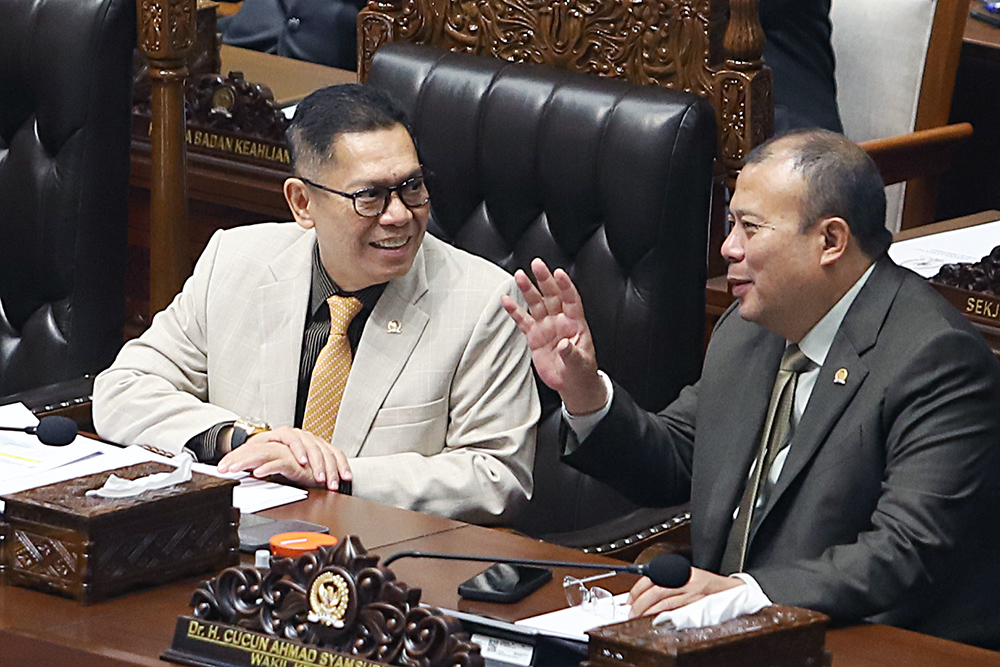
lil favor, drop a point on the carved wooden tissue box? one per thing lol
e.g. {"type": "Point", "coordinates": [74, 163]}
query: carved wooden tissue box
{"type": "Point", "coordinates": [57, 539]}
{"type": "Point", "coordinates": [776, 636]}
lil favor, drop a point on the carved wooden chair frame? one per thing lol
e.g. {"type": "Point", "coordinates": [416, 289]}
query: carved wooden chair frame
{"type": "Point", "coordinates": [712, 48]}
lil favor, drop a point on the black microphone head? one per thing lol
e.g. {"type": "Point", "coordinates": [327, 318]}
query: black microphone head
{"type": "Point", "coordinates": [669, 570]}
{"type": "Point", "coordinates": [55, 430]}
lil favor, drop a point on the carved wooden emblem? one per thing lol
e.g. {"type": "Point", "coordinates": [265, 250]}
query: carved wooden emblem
{"type": "Point", "coordinates": [329, 596]}
{"type": "Point", "coordinates": [336, 600]}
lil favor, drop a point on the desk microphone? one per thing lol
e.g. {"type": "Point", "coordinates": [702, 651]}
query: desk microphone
{"type": "Point", "coordinates": [668, 570]}
{"type": "Point", "coordinates": [52, 430]}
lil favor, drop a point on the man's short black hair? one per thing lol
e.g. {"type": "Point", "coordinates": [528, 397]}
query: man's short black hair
{"type": "Point", "coordinates": [841, 180]}
{"type": "Point", "coordinates": [329, 112]}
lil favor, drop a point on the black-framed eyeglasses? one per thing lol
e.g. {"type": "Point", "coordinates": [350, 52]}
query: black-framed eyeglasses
{"type": "Point", "coordinates": [373, 201]}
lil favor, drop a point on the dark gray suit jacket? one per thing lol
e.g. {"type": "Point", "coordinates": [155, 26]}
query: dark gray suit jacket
{"type": "Point", "coordinates": [885, 507]}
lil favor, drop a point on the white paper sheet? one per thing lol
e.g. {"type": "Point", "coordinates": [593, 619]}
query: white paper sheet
{"type": "Point", "coordinates": [22, 454]}
{"type": "Point", "coordinates": [573, 622]}
{"type": "Point", "coordinates": [927, 254]}
{"type": "Point", "coordinates": [254, 495]}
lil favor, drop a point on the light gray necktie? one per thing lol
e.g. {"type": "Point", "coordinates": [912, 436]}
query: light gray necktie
{"type": "Point", "coordinates": [774, 439]}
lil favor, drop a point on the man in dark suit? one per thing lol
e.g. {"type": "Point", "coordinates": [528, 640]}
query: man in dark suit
{"type": "Point", "coordinates": [320, 31]}
{"type": "Point", "coordinates": [874, 500]}
{"type": "Point", "coordinates": [797, 48]}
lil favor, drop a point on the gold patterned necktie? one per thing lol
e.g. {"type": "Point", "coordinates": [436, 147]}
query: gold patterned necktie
{"type": "Point", "coordinates": [333, 365]}
{"type": "Point", "coordinates": [777, 425]}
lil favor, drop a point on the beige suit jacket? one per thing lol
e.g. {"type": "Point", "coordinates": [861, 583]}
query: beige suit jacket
{"type": "Point", "coordinates": [438, 414]}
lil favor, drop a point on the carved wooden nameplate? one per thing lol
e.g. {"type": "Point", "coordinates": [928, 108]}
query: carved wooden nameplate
{"type": "Point", "coordinates": [328, 608]}
{"type": "Point", "coordinates": [58, 539]}
{"type": "Point", "coordinates": [974, 289]}
{"type": "Point", "coordinates": [982, 276]}
{"type": "Point", "coordinates": [776, 635]}
{"type": "Point", "coordinates": [229, 118]}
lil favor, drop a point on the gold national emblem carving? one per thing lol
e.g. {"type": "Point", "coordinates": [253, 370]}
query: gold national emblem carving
{"type": "Point", "coordinates": [223, 100]}
{"type": "Point", "coordinates": [328, 598]}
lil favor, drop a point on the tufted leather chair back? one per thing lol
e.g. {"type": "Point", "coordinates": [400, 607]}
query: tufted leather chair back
{"type": "Point", "coordinates": [604, 178]}
{"type": "Point", "coordinates": [65, 110]}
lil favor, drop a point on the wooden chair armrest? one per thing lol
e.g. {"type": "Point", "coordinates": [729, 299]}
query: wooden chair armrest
{"type": "Point", "coordinates": [922, 153]}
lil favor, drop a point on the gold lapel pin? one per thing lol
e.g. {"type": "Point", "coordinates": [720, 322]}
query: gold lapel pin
{"type": "Point", "coordinates": [394, 327]}
{"type": "Point", "coordinates": [840, 377]}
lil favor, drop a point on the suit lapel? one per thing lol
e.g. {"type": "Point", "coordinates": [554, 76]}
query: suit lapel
{"type": "Point", "coordinates": [283, 303]}
{"type": "Point", "coordinates": [733, 435]}
{"type": "Point", "coordinates": [391, 333]}
{"type": "Point", "coordinates": [830, 399]}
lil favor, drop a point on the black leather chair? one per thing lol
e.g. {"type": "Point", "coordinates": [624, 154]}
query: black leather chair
{"type": "Point", "coordinates": [607, 179]}
{"type": "Point", "coordinates": [65, 110]}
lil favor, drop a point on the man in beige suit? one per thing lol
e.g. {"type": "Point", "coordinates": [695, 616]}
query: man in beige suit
{"type": "Point", "coordinates": [439, 407]}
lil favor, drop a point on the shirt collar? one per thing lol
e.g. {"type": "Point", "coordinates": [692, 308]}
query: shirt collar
{"type": "Point", "coordinates": [817, 343]}
{"type": "Point", "coordinates": [323, 287]}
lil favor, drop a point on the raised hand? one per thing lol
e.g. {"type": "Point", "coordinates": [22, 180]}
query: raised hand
{"type": "Point", "coordinates": [559, 337]}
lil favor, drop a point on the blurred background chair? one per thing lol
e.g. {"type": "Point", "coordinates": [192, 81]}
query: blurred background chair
{"type": "Point", "coordinates": [896, 65]}
{"type": "Point", "coordinates": [606, 179]}
{"type": "Point", "coordinates": [65, 115]}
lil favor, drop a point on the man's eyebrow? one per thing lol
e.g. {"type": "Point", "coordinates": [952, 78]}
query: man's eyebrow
{"type": "Point", "coordinates": [387, 183]}
{"type": "Point", "coordinates": [743, 213]}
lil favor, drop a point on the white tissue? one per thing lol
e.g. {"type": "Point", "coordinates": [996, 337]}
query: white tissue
{"type": "Point", "coordinates": [716, 608]}
{"type": "Point", "coordinates": [116, 487]}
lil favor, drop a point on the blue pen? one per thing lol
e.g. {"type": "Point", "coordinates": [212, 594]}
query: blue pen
{"type": "Point", "coordinates": [992, 7]}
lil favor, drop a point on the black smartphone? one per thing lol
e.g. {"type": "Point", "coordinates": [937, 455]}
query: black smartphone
{"type": "Point", "coordinates": [501, 582]}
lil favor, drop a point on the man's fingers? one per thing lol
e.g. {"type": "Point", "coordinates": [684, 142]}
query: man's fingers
{"type": "Point", "coordinates": [669, 604]}
{"type": "Point", "coordinates": [290, 437]}
{"type": "Point", "coordinates": [319, 459]}
{"type": "Point", "coordinates": [327, 472]}
{"type": "Point", "coordinates": [640, 587]}
{"type": "Point", "coordinates": [343, 465]}
{"type": "Point", "coordinates": [572, 304]}
{"type": "Point", "coordinates": [336, 467]}
{"type": "Point", "coordinates": [570, 354]}
{"type": "Point", "coordinates": [298, 448]}
{"type": "Point", "coordinates": [518, 314]}
{"type": "Point", "coordinates": [653, 596]}
{"type": "Point", "coordinates": [268, 469]}
{"type": "Point", "coordinates": [536, 306]}
{"type": "Point", "coordinates": [548, 286]}
{"type": "Point", "coordinates": [244, 458]}
{"type": "Point", "coordinates": [287, 468]}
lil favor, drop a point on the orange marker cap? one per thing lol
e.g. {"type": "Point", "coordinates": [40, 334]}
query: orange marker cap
{"type": "Point", "coordinates": [291, 545]}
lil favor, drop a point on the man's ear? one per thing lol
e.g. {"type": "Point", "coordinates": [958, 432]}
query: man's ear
{"type": "Point", "coordinates": [297, 196]}
{"type": "Point", "coordinates": [836, 237]}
